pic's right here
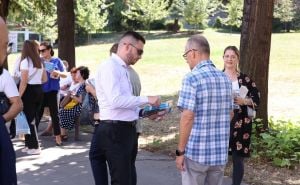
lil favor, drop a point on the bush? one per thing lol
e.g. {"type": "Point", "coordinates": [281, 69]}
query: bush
{"type": "Point", "coordinates": [279, 144]}
{"type": "Point", "coordinates": [218, 23]}
{"type": "Point", "coordinates": [173, 27]}
{"type": "Point", "coordinates": [158, 25]}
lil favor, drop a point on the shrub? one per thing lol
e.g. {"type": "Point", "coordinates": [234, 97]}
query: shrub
{"type": "Point", "coordinates": [279, 144]}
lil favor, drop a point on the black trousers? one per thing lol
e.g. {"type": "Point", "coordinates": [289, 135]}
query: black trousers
{"type": "Point", "coordinates": [238, 169]}
{"type": "Point", "coordinates": [31, 98]}
{"type": "Point", "coordinates": [50, 100]}
{"type": "Point", "coordinates": [114, 143]}
{"type": "Point", "coordinates": [8, 175]}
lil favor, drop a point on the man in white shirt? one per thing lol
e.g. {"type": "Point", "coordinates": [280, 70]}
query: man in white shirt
{"type": "Point", "coordinates": [8, 87]}
{"type": "Point", "coordinates": [115, 137]}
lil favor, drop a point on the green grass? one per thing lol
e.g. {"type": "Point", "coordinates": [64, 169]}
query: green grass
{"type": "Point", "coordinates": [162, 66]}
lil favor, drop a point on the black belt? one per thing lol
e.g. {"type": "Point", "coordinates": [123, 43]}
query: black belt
{"type": "Point", "coordinates": [118, 122]}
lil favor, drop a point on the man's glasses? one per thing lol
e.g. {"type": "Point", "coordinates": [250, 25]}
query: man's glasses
{"type": "Point", "coordinates": [42, 50]}
{"type": "Point", "coordinates": [139, 51]}
{"type": "Point", "coordinates": [187, 52]}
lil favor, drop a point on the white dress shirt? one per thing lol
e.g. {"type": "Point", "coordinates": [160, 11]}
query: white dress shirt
{"type": "Point", "coordinates": [114, 91]}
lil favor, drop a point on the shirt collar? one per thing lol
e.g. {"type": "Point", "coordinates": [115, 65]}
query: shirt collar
{"type": "Point", "coordinates": [118, 60]}
{"type": "Point", "coordinates": [203, 63]}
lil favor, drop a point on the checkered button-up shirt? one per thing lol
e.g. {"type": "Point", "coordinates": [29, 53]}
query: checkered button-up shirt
{"type": "Point", "coordinates": [207, 92]}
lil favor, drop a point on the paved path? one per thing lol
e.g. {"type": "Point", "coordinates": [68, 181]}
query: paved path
{"type": "Point", "coordinates": [70, 165]}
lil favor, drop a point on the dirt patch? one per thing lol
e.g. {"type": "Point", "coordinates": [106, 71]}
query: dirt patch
{"type": "Point", "coordinates": [162, 137]}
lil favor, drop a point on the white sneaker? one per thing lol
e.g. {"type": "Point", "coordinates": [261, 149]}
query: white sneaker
{"type": "Point", "coordinates": [34, 151]}
{"type": "Point", "coordinates": [24, 150]}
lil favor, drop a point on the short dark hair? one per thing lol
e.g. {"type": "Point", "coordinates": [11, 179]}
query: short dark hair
{"type": "Point", "coordinates": [135, 35]}
{"type": "Point", "coordinates": [48, 46]}
{"type": "Point", "coordinates": [84, 72]}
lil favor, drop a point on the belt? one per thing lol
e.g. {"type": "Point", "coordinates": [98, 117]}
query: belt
{"type": "Point", "coordinates": [118, 122]}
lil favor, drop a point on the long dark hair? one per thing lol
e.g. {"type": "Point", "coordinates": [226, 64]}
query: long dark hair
{"type": "Point", "coordinates": [30, 51]}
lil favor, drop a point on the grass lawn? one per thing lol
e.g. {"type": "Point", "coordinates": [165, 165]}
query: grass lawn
{"type": "Point", "coordinates": [162, 66]}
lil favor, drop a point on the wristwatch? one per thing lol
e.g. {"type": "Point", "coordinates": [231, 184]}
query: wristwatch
{"type": "Point", "coordinates": [179, 153]}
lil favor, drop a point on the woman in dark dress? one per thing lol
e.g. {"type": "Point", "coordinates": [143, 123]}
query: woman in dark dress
{"type": "Point", "coordinates": [241, 123]}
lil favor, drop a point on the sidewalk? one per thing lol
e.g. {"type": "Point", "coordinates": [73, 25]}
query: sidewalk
{"type": "Point", "coordinates": [70, 165]}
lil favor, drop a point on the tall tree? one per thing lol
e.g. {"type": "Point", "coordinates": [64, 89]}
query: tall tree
{"type": "Point", "coordinates": [234, 10]}
{"type": "Point", "coordinates": [66, 30]}
{"type": "Point", "coordinates": [4, 4]}
{"type": "Point", "coordinates": [255, 47]}
{"type": "Point", "coordinates": [146, 11]}
{"type": "Point", "coordinates": [196, 12]}
{"type": "Point", "coordinates": [285, 10]}
{"type": "Point", "coordinates": [91, 15]}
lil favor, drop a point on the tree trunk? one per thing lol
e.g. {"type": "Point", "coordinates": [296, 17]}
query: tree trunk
{"type": "Point", "coordinates": [4, 5]}
{"type": "Point", "coordinates": [255, 47]}
{"type": "Point", "coordinates": [66, 31]}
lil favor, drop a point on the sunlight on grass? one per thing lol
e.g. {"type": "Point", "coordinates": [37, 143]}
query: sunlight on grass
{"type": "Point", "coordinates": [163, 67]}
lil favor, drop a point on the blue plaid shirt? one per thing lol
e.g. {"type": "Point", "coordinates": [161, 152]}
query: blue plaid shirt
{"type": "Point", "coordinates": [207, 92]}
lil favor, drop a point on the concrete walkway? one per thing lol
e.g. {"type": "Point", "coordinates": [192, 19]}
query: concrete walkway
{"type": "Point", "coordinates": [70, 165]}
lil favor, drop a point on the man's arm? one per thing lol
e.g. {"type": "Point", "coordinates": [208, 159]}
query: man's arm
{"type": "Point", "coordinates": [15, 108]}
{"type": "Point", "coordinates": [186, 124]}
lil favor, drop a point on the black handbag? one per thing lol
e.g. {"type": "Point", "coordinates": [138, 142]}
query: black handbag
{"type": "Point", "coordinates": [4, 103]}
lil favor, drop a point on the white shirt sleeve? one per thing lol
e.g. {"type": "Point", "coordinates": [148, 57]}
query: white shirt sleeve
{"type": "Point", "coordinates": [7, 85]}
{"type": "Point", "coordinates": [111, 79]}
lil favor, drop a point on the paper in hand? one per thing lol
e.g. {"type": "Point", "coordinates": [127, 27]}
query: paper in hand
{"type": "Point", "coordinates": [243, 91]}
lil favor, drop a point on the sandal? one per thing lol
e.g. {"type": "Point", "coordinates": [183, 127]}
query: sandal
{"type": "Point", "coordinates": [64, 137]}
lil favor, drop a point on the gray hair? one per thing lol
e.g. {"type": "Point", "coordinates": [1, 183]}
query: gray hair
{"type": "Point", "coordinates": [199, 42]}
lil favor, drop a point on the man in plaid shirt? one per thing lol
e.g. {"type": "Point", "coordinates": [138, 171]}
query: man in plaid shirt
{"type": "Point", "coordinates": [205, 100]}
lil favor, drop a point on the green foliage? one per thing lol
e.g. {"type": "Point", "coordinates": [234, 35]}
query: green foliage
{"type": "Point", "coordinates": [177, 9]}
{"type": "Point", "coordinates": [41, 20]}
{"type": "Point", "coordinates": [280, 144]}
{"type": "Point", "coordinates": [196, 12]}
{"type": "Point", "coordinates": [91, 15]}
{"type": "Point", "coordinates": [234, 9]}
{"type": "Point", "coordinates": [116, 18]}
{"type": "Point", "coordinates": [284, 10]}
{"type": "Point", "coordinates": [146, 11]}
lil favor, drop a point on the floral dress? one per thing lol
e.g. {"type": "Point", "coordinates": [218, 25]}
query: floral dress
{"type": "Point", "coordinates": [67, 116]}
{"type": "Point", "coordinates": [241, 124]}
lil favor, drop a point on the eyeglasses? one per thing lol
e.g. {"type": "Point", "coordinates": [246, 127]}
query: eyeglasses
{"type": "Point", "coordinates": [139, 51]}
{"type": "Point", "coordinates": [42, 50]}
{"type": "Point", "coordinates": [187, 52]}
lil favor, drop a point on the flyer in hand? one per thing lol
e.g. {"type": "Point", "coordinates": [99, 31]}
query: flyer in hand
{"type": "Point", "coordinates": [49, 67]}
{"type": "Point", "coordinates": [165, 107]}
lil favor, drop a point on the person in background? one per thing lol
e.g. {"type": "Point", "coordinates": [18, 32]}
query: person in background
{"type": "Point", "coordinates": [68, 117]}
{"type": "Point", "coordinates": [33, 75]}
{"type": "Point", "coordinates": [53, 67]}
{"type": "Point", "coordinates": [115, 137]}
{"type": "Point", "coordinates": [205, 100]}
{"type": "Point", "coordinates": [241, 123]}
{"type": "Point", "coordinates": [8, 175]}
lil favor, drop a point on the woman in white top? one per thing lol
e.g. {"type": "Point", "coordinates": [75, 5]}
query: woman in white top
{"type": "Point", "coordinates": [32, 76]}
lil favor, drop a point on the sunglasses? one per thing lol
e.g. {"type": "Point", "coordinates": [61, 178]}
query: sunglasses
{"type": "Point", "coordinates": [139, 51]}
{"type": "Point", "coordinates": [42, 50]}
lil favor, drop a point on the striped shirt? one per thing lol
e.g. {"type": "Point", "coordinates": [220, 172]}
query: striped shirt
{"type": "Point", "coordinates": [207, 92]}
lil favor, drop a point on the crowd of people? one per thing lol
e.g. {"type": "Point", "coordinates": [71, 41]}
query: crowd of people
{"type": "Point", "coordinates": [213, 121]}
